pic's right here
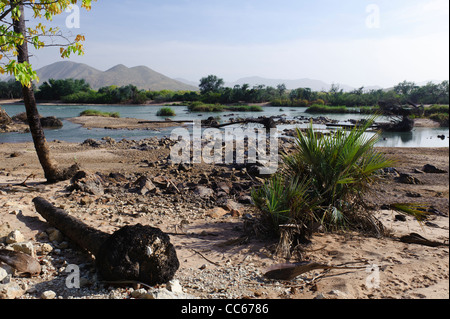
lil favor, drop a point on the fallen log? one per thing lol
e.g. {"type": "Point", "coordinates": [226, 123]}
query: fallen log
{"type": "Point", "coordinates": [133, 253]}
{"type": "Point", "coordinates": [414, 238]}
{"type": "Point", "coordinates": [22, 263]}
{"type": "Point", "coordinates": [291, 271]}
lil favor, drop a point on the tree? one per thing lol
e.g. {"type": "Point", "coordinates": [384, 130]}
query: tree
{"type": "Point", "coordinates": [211, 84]}
{"type": "Point", "coordinates": [14, 60]}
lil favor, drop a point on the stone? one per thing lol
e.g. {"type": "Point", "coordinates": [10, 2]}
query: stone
{"type": "Point", "coordinates": [11, 291]}
{"type": "Point", "coordinates": [144, 186]}
{"type": "Point", "coordinates": [217, 212]}
{"type": "Point", "coordinates": [138, 293]}
{"type": "Point", "coordinates": [204, 192]}
{"type": "Point", "coordinates": [49, 294]}
{"type": "Point", "coordinates": [5, 230]}
{"type": "Point", "coordinates": [164, 294]}
{"type": "Point", "coordinates": [175, 286]}
{"type": "Point", "coordinates": [24, 247]}
{"type": "Point", "coordinates": [3, 273]}
{"type": "Point", "coordinates": [54, 235]}
{"type": "Point", "coordinates": [408, 179]}
{"type": "Point", "coordinates": [87, 183]}
{"type": "Point", "coordinates": [51, 122]}
{"type": "Point", "coordinates": [15, 237]}
{"type": "Point", "coordinates": [431, 169]}
{"type": "Point", "coordinates": [46, 248]}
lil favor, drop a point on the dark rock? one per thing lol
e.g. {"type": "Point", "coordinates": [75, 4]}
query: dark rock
{"type": "Point", "coordinates": [51, 122]}
{"type": "Point", "coordinates": [408, 179]}
{"type": "Point", "coordinates": [144, 186]}
{"type": "Point", "coordinates": [87, 183]}
{"type": "Point", "coordinates": [431, 169]}
{"type": "Point", "coordinates": [413, 195]}
{"type": "Point", "coordinates": [91, 142]}
{"type": "Point", "coordinates": [400, 218]}
{"type": "Point", "coordinates": [204, 192]}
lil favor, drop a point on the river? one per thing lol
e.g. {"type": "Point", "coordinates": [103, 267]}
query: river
{"type": "Point", "coordinates": [419, 137]}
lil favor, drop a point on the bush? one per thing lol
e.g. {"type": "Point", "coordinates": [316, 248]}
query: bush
{"type": "Point", "coordinates": [166, 111]}
{"type": "Point", "coordinates": [316, 109]}
{"type": "Point", "coordinates": [324, 181]}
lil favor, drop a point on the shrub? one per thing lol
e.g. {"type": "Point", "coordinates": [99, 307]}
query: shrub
{"type": "Point", "coordinates": [325, 181]}
{"type": "Point", "coordinates": [166, 111]}
{"type": "Point", "coordinates": [100, 113]}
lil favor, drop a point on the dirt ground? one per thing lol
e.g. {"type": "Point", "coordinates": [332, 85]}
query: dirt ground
{"type": "Point", "coordinates": [217, 259]}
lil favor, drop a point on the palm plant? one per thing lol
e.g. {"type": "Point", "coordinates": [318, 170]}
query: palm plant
{"type": "Point", "coordinates": [325, 180]}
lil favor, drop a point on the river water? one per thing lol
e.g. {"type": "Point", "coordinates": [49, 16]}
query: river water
{"type": "Point", "coordinates": [419, 137]}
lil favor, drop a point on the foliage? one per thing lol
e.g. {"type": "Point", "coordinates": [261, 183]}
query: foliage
{"type": "Point", "coordinates": [10, 89]}
{"type": "Point", "coordinates": [166, 111]}
{"type": "Point", "coordinates": [100, 113]}
{"type": "Point", "coordinates": [211, 108]}
{"type": "Point", "coordinates": [56, 89]}
{"type": "Point", "coordinates": [211, 84]}
{"type": "Point", "coordinates": [35, 36]}
{"type": "Point", "coordinates": [332, 174]}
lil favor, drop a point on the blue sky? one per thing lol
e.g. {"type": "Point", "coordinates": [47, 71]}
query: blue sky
{"type": "Point", "coordinates": [332, 41]}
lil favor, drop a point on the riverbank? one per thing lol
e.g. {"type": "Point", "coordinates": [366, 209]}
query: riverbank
{"type": "Point", "coordinates": [213, 227]}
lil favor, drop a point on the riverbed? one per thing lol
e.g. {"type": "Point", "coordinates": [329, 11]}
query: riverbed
{"type": "Point", "coordinates": [71, 132]}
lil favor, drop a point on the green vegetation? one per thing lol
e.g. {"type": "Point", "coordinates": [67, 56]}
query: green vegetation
{"type": "Point", "coordinates": [329, 109]}
{"type": "Point", "coordinates": [166, 111]}
{"type": "Point", "coordinates": [324, 181]}
{"type": "Point", "coordinates": [99, 113]}
{"type": "Point", "coordinates": [202, 107]}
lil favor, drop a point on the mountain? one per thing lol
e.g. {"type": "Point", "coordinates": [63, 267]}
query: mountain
{"type": "Point", "coordinates": [314, 85]}
{"type": "Point", "coordinates": [120, 75]}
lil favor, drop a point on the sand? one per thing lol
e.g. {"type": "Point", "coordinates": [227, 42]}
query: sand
{"type": "Point", "coordinates": [224, 268]}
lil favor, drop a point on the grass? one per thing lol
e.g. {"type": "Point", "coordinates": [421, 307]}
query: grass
{"type": "Point", "coordinates": [100, 113]}
{"type": "Point", "coordinates": [217, 108]}
{"type": "Point", "coordinates": [166, 111]}
{"type": "Point", "coordinates": [325, 109]}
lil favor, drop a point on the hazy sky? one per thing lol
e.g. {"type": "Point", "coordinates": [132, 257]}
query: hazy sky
{"type": "Point", "coordinates": [354, 42]}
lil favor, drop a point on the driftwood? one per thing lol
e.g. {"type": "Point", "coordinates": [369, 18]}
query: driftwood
{"type": "Point", "coordinates": [414, 238]}
{"type": "Point", "coordinates": [22, 263]}
{"type": "Point", "coordinates": [133, 253]}
{"type": "Point", "coordinates": [291, 271]}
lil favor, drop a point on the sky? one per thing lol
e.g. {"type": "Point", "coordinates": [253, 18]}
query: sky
{"type": "Point", "coordinates": [351, 42]}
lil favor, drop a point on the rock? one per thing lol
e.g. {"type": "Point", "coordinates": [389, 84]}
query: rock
{"type": "Point", "coordinates": [433, 169]}
{"type": "Point", "coordinates": [24, 247]}
{"type": "Point", "coordinates": [49, 294]}
{"type": "Point", "coordinates": [166, 294]}
{"type": "Point", "coordinates": [51, 122]}
{"type": "Point", "coordinates": [54, 235]}
{"type": "Point", "coordinates": [138, 293]}
{"type": "Point", "coordinates": [3, 272]}
{"type": "Point", "coordinates": [231, 206]}
{"type": "Point", "coordinates": [87, 183]}
{"type": "Point", "coordinates": [175, 286]}
{"type": "Point", "coordinates": [217, 212]}
{"type": "Point", "coordinates": [204, 192]}
{"type": "Point", "coordinates": [400, 218]}
{"type": "Point", "coordinates": [91, 142]}
{"type": "Point", "coordinates": [245, 200]}
{"type": "Point", "coordinates": [46, 248]}
{"type": "Point", "coordinates": [144, 186]}
{"type": "Point", "coordinates": [5, 230]}
{"type": "Point", "coordinates": [408, 179]}
{"type": "Point", "coordinates": [413, 195]}
{"type": "Point", "coordinates": [11, 291]}
{"type": "Point", "coordinates": [15, 237]}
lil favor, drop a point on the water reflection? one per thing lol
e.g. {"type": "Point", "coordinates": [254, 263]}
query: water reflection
{"type": "Point", "coordinates": [420, 137]}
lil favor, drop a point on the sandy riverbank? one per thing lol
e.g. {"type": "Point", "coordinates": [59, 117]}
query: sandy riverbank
{"type": "Point", "coordinates": [230, 264]}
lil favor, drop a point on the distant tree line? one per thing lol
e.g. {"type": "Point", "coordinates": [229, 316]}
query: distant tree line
{"type": "Point", "coordinates": [213, 91]}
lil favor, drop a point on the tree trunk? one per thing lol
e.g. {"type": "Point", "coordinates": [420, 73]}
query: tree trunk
{"type": "Point", "coordinates": [51, 171]}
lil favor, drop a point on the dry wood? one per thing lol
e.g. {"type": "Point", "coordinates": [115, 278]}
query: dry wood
{"type": "Point", "coordinates": [414, 238]}
{"type": "Point", "coordinates": [133, 253]}
{"type": "Point", "coordinates": [22, 263]}
{"type": "Point", "coordinates": [291, 271]}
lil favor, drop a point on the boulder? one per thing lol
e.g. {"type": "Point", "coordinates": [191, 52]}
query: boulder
{"type": "Point", "coordinates": [87, 183]}
{"type": "Point", "coordinates": [408, 179]}
{"type": "Point", "coordinates": [51, 122]}
{"type": "Point", "coordinates": [431, 169]}
{"type": "Point", "coordinates": [144, 186]}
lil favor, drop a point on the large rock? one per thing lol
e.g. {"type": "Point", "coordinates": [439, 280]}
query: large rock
{"type": "Point", "coordinates": [144, 186]}
{"type": "Point", "coordinates": [87, 183]}
{"type": "Point", "coordinates": [431, 169]}
{"type": "Point", "coordinates": [4, 118]}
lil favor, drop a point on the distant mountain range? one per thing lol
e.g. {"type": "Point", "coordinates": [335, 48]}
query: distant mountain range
{"type": "Point", "coordinates": [141, 76]}
{"type": "Point", "coordinates": [148, 79]}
